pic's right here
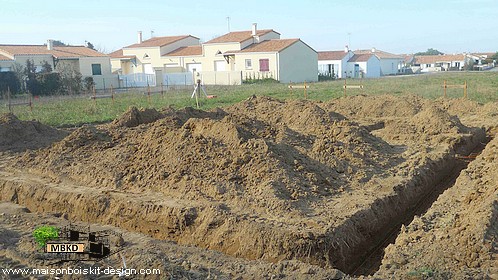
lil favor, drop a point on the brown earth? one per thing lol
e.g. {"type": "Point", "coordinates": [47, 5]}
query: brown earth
{"type": "Point", "coordinates": [262, 179]}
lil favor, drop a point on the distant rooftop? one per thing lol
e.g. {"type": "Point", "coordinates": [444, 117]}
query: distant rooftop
{"type": "Point", "coordinates": [331, 55]}
{"type": "Point", "coordinates": [238, 36]}
{"type": "Point", "coordinates": [186, 51]}
{"type": "Point", "coordinates": [159, 41]}
{"type": "Point", "coordinates": [58, 52]}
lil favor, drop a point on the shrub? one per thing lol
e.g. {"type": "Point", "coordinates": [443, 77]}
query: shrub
{"type": "Point", "coordinates": [9, 81]}
{"type": "Point", "coordinates": [44, 234]}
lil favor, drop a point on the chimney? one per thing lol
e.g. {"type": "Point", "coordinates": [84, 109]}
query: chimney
{"type": "Point", "coordinates": [254, 29]}
{"type": "Point", "coordinates": [374, 50]}
{"type": "Point", "coordinates": [346, 49]}
{"type": "Point", "coordinates": [139, 39]}
{"type": "Point", "coordinates": [50, 45]}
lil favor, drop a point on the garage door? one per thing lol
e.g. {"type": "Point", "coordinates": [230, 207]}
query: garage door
{"type": "Point", "coordinates": [220, 65]}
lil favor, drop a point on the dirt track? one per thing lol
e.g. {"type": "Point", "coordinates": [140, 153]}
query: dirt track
{"type": "Point", "coordinates": [260, 180]}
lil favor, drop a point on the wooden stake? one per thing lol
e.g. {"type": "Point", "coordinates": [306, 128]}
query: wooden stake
{"type": "Point", "coordinates": [112, 94]}
{"type": "Point", "coordinates": [445, 89]}
{"type": "Point", "coordinates": [465, 90]}
{"type": "Point", "coordinates": [8, 99]}
{"type": "Point", "coordinates": [94, 96]}
{"type": "Point", "coordinates": [344, 87]}
{"type": "Point", "coordinates": [305, 93]}
{"type": "Point", "coordinates": [31, 103]}
{"type": "Point", "coordinates": [197, 93]}
{"type": "Point", "coordinates": [148, 93]}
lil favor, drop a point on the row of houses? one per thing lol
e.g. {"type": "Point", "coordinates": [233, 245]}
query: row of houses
{"type": "Point", "coordinates": [228, 59]}
{"type": "Point", "coordinates": [449, 62]}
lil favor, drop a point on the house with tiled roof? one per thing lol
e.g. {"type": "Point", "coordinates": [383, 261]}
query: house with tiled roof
{"type": "Point", "coordinates": [390, 64]}
{"type": "Point", "coordinates": [86, 61]}
{"type": "Point", "coordinates": [227, 59]}
{"type": "Point", "coordinates": [334, 63]}
{"type": "Point", "coordinates": [348, 64]}
{"type": "Point", "coordinates": [446, 62]}
{"type": "Point", "coordinates": [252, 54]}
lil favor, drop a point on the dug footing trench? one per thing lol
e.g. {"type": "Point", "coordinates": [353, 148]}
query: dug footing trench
{"type": "Point", "coordinates": [371, 260]}
{"type": "Point", "coordinates": [342, 247]}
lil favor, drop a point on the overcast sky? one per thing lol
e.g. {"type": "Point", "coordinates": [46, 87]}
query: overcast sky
{"type": "Point", "coordinates": [397, 26]}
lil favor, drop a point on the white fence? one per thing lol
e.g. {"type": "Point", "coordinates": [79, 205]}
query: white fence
{"type": "Point", "coordinates": [137, 80]}
{"type": "Point", "coordinates": [221, 77]}
{"type": "Point", "coordinates": [178, 79]}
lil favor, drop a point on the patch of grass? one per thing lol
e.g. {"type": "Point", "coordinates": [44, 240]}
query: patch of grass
{"type": "Point", "coordinates": [73, 111]}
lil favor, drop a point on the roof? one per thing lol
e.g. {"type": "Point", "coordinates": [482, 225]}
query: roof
{"type": "Point", "coordinates": [430, 59]}
{"type": "Point", "coordinates": [380, 54]}
{"type": "Point", "coordinates": [58, 52]}
{"type": "Point", "coordinates": [159, 41]}
{"type": "Point", "coordinates": [275, 45]}
{"type": "Point", "coordinates": [119, 54]}
{"type": "Point", "coordinates": [186, 51]}
{"type": "Point", "coordinates": [3, 57]}
{"type": "Point", "coordinates": [360, 57]}
{"type": "Point", "coordinates": [238, 36]}
{"type": "Point", "coordinates": [486, 55]}
{"type": "Point", "coordinates": [331, 55]}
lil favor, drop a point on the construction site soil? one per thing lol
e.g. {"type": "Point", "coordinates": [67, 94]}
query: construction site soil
{"type": "Point", "coordinates": [269, 189]}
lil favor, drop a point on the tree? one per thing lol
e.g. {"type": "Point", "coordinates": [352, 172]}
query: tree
{"type": "Point", "coordinates": [32, 84]}
{"type": "Point", "coordinates": [46, 67]}
{"type": "Point", "coordinates": [430, 51]}
{"type": "Point", "coordinates": [58, 43]}
{"type": "Point", "coordinates": [90, 46]}
{"type": "Point", "coordinates": [9, 82]}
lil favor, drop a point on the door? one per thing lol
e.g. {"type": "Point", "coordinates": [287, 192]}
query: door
{"type": "Point", "coordinates": [356, 70]}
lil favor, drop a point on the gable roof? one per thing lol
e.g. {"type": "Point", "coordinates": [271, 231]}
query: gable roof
{"type": "Point", "coordinates": [275, 45]}
{"type": "Point", "coordinates": [331, 55]}
{"type": "Point", "coordinates": [119, 54]}
{"type": "Point", "coordinates": [58, 52]}
{"type": "Point", "coordinates": [238, 36]}
{"type": "Point", "coordinates": [361, 57]}
{"type": "Point", "coordinates": [430, 59]}
{"type": "Point", "coordinates": [186, 51]}
{"type": "Point", "coordinates": [159, 41]}
{"type": "Point", "coordinates": [3, 57]}
{"type": "Point", "coordinates": [380, 54]}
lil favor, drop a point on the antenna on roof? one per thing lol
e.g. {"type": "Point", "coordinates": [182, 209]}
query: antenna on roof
{"type": "Point", "coordinates": [152, 33]}
{"type": "Point", "coordinates": [228, 24]}
{"type": "Point", "coordinates": [349, 40]}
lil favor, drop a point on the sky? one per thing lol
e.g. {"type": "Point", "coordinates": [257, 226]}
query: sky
{"type": "Point", "coordinates": [396, 26]}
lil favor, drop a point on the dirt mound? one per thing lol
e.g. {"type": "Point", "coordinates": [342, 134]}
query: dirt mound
{"type": "Point", "coordinates": [458, 106]}
{"type": "Point", "coordinates": [17, 135]}
{"type": "Point", "coordinates": [376, 106]}
{"type": "Point", "coordinates": [457, 237]}
{"type": "Point", "coordinates": [135, 117]}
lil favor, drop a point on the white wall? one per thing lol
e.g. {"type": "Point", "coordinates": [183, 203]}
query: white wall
{"type": "Point", "coordinates": [298, 63]}
{"type": "Point", "coordinates": [389, 66]}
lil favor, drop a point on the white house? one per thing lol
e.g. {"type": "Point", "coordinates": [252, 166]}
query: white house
{"type": "Point", "coordinates": [364, 66]}
{"type": "Point", "coordinates": [433, 63]}
{"type": "Point", "coordinates": [334, 63]}
{"type": "Point", "coordinates": [390, 64]}
{"type": "Point", "coordinates": [86, 61]}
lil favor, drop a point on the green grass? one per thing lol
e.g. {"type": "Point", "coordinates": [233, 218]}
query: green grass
{"type": "Point", "coordinates": [65, 111]}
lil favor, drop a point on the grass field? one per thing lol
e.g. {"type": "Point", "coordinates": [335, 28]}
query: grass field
{"type": "Point", "coordinates": [73, 111]}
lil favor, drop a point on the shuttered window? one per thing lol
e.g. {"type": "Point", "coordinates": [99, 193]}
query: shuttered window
{"type": "Point", "coordinates": [264, 65]}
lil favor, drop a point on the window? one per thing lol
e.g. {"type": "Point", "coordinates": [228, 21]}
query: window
{"type": "Point", "coordinates": [248, 64]}
{"type": "Point", "coordinates": [4, 69]}
{"type": "Point", "coordinates": [96, 69]}
{"type": "Point", "coordinates": [264, 65]}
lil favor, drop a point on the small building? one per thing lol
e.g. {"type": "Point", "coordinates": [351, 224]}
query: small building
{"type": "Point", "coordinates": [390, 64]}
{"type": "Point", "coordinates": [364, 66]}
{"type": "Point", "coordinates": [86, 61]}
{"type": "Point", "coordinates": [434, 63]}
{"type": "Point", "coordinates": [334, 63]}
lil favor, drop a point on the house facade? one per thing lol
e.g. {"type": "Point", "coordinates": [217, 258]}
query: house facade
{"type": "Point", "coordinates": [86, 61]}
{"type": "Point", "coordinates": [390, 64]}
{"type": "Point", "coordinates": [434, 63]}
{"type": "Point", "coordinates": [348, 64]}
{"type": "Point", "coordinates": [228, 59]}
{"type": "Point", "coordinates": [334, 63]}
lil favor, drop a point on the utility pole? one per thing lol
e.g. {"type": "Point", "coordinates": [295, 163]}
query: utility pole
{"type": "Point", "coordinates": [349, 40]}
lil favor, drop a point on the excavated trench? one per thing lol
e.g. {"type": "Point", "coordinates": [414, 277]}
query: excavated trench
{"type": "Point", "coordinates": [371, 260]}
{"type": "Point", "coordinates": [355, 246]}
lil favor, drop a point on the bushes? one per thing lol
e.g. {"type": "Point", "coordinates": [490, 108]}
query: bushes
{"type": "Point", "coordinates": [9, 81]}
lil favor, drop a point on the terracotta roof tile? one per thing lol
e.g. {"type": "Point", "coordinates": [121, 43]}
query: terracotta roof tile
{"type": "Point", "coordinates": [430, 59]}
{"type": "Point", "coordinates": [159, 41]}
{"type": "Point", "coordinates": [360, 57]}
{"type": "Point", "coordinates": [59, 52]}
{"type": "Point", "coordinates": [380, 54]}
{"type": "Point", "coordinates": [275, 45]}
{"type": "Point", "coordinates": [119, 54]}
{"type": "Point", "coordinates": [331, 55]}
{"type": "Point", "coordinates": [186, 51]}
{"type": "Point", "coordinates": [238, 36]}
{"type": "Point", "coordinates": [3, 57]}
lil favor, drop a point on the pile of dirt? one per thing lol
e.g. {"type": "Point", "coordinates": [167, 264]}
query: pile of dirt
{"type": "Point", "coordinates": [430, 125]}
{"type": "Point", "coordinates": [362, 106]}
{"type": "Point", "coordinates": [135, 117]}
{"type": "Point", "coordinates": [458, 237]}
{"type": "Point", "coordinates": [17, 135]}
